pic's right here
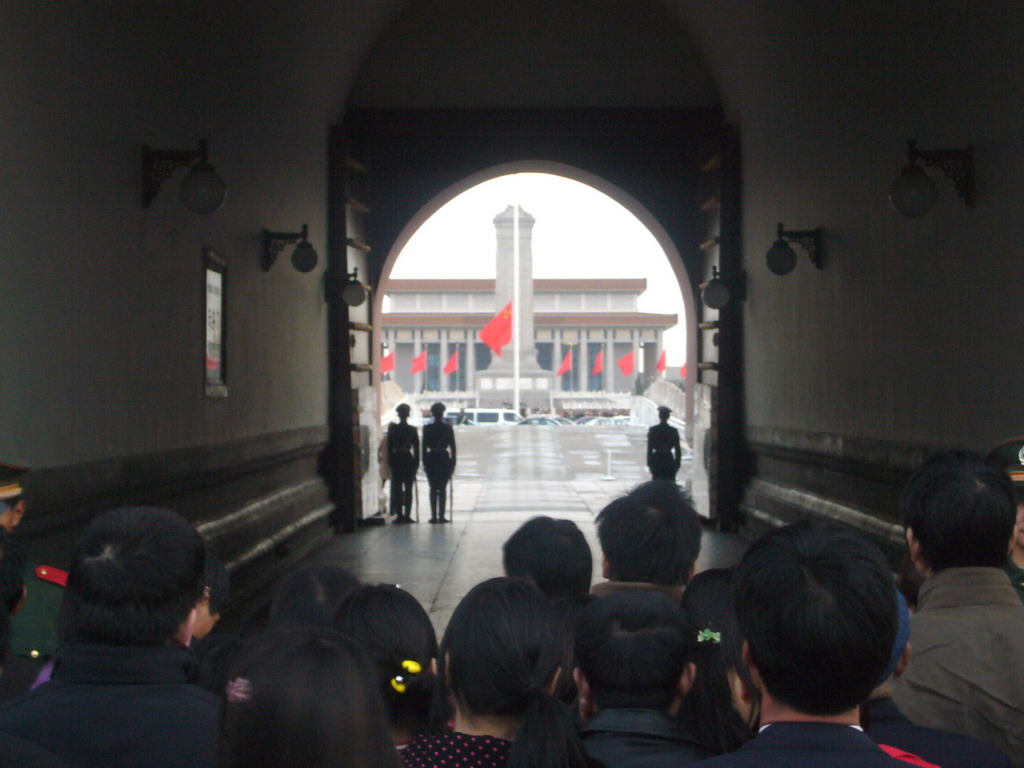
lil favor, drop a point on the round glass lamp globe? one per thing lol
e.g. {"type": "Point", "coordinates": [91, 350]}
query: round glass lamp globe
{"type": "Point", "coordinates": [913, 193]}
{"type": "Point", "coordinates": [353, 294]}
{"type": "Point", "coordinates": [202, 190]}
{"type": "Point", "coordinates": [781, 258]}
{"type": "Point", "coordinates": [716, 294]}
{"type": "Point", "coordinates": [304, 257]}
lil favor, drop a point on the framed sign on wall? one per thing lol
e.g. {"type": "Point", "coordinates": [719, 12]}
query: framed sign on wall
{"type": "Point", "coordinates": [215, 271]}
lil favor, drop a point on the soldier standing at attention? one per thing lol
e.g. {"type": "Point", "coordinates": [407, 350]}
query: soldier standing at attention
{"type": "Point", "coordinates": [438, 460]}
{"type": "Point", "coordinates": [663, 451]}
{"type": "Point", "coordinates": [404, 459]}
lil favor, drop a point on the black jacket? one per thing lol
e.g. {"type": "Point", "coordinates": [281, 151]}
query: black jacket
{"type": "Point", "coordinates": [887, 725]}
{"type": "Point", "coordinates": [807, 745]}
{"type": "Point", "coordinates": [107, 707]}
{"type": "Point", "coordinates": [639, 738]}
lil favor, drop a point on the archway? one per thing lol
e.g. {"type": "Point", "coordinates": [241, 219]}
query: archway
{"type": "Point", "coordinates": [628, 202]}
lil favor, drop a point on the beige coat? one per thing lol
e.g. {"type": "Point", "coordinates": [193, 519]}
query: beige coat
{"type": "Point", "coordinates": [967, 670]}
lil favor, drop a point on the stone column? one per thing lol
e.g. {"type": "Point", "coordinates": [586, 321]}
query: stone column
{"type": "Point", "coordinates": [504, 225]}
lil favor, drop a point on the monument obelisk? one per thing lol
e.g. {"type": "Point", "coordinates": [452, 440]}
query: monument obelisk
{"type": "Point", "coordinates": [496, 384]}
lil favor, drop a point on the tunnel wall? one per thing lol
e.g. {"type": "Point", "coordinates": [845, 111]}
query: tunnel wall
{"type": "Point", "coordinates": [103, 300]}
{"type": "Point", "coordinates": [906, 340]}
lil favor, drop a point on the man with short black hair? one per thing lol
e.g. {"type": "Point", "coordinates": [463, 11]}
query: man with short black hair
{"type": "Point", "coordinates": [816, 605]}
{"type": "Point", "coordinates": [633, 655]}
{"type": "Point", "coordinates": [650, 539]}
{"type": "Point", "coordinates": [968, 633]}
{"type": "Point", "coordinates": [120, 693]}
{"type": "Point", "coordinates": [553, 554]}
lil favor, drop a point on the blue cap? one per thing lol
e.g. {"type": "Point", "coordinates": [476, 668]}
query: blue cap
{"type": "Point", "coordinates": [902, 637]}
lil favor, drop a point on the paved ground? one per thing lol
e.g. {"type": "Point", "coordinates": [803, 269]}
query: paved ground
{"type": "Point", "coordinates": [505, 476]}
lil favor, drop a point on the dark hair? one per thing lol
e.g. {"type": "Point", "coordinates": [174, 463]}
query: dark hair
{"type": "Point", "coordinates": [501, 650]}
{"type": "Point", "coordinates": [961, 510]}
{"type": "Point", "coordinates": [817, 606]}
{"type": "Point", "coordinates": [304, 697]}
{"type": "Point", "coordinates": [553, 554]}
{"type": "Point", "coordinates": [12, 571]}
{"type": "Point", "coordinates": [707, 709]}
{"type": "Point", "coordinates": [309, 597]}
{"type": "Point", "coordinates": [218, 582]}
{"type": "Point", "coordinates": [569, 611]}
{"type": "Point", "coordinates": [651, 535]}
{"type": "Point", "coordinates": [632, 647]}
{"type": "Point", "coordinates": [392, 628]}
{"type": "Point", "coordinates": [135, 576]}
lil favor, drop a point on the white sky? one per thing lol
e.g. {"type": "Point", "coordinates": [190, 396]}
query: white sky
{"type": "Point", "coordinates": [580, 232]}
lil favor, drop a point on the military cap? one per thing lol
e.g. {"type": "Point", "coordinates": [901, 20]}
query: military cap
{"type": "Point", "coordinates": [1009, 457]}
{"type": "Point", "coordinates": [10, 480]}
{"type": "Point", "coordinates": [664, 409]}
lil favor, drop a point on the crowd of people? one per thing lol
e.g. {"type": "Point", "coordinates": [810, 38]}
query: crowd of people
{"type": "Point", "coordinates": [805, 653]}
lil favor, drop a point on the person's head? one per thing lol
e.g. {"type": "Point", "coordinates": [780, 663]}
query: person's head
{"type": "Point", "coordinates": [958, 512]}
{"type": "Point", "coordinates": [722, 708]}
{"type": "Point", "coordinates": [12, 501]}
{"type": "Point", "coordinates": [304, 697]}
{"type": "Point", "coordinates": [12, 573]}
{"type": "Point", "coordinates": [500, 656]}
{"type": "Point", "coordinates": [1009, 457]}
{"type": "Point", "coordinates": [309, 597]}
{"type": "Point", "coordinates": [632, 652]}
{"type": "Point", "coordinates": [664, 412]}
{"type": "Point", "coordinates": [218, 589]}
{"type": "Point", "coordinates": [816, 605]}
{"type": "Point", "coordinates": [396, 634]}
{"type": "Point", "coordinates": [551, 553]}
{"type": "Point", "coordinates": [651, 535]}
{"type": "Point", "coordinates": [437, 410]}
{"type": "Point", "coordinates": [135, 579]}
{"type": "Point", "coordinates": [403, 411]}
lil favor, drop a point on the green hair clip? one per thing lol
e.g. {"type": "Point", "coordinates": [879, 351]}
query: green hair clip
{"type": "Point", "coordinates": [707, 636]}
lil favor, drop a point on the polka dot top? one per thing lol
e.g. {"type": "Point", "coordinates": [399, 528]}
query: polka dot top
{"type": "Point", "coordinates": [456, 750]}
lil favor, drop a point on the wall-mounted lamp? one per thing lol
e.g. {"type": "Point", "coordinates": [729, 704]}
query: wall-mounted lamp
{"type": "Point", "coordinates": [781, 258]}
{"type": "Point", "coordinates": [202, 190]}
{"type": "Point", "coordinates": [304, 256]}
{"type": "Point", "coordinates": [913, 193]}
{"type": "Point", "coordinates": [354, 293]}
{"type": "Point", "coordinates": [715, 293]}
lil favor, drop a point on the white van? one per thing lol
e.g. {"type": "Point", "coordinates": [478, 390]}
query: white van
{"type": "Point", "coordinates": [490, 417]}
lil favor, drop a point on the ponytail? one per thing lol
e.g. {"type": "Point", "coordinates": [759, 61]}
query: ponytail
{"type": "Point", "coordinates": [503, 648]}
{"type": "Point", "coordinates": [547, 737]}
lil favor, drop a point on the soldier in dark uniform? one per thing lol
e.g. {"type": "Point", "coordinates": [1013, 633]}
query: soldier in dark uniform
{"type": "Point", "coordinates": [404, 459]}
{"type": "Point", "coordinates": [33, 638]}
{"type": "Point", "coordinates": [663, 451]}
{"type": "Point", "coordinates": [438, 460]}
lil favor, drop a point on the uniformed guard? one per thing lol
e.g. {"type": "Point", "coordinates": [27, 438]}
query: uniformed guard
{"type": "Point", "coordinates": [1009, 457]}
{"type": "Point", "coordinates": [34, 626]}
{"type": "Point", "coordinates": [404, 459]}
{"type": "Point", "coordinates": [663, 451]}
{"type": "Point", "coordinates": [438, 460]}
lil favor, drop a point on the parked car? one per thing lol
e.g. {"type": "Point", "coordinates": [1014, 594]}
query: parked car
{"type": "Point", "coordinates": [540, 420]}
{"type": "Point", "coordinates": [490, 417]}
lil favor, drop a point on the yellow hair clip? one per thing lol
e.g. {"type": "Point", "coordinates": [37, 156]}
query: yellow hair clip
{"type": "Point", "coordinates": [410, 666]}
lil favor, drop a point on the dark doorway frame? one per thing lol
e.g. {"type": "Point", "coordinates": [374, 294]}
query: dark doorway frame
{"type": "Point", "coordinates": [414, 155]}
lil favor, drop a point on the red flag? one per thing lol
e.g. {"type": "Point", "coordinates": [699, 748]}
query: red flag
{"type": "Point", "coordinates": [387, 363]}
{"type": "Point", "coordinates": [498, 332]}
{"type": "Point", "coordinates": [566, 365]}
{"type": "Point", "coordinates": [661, 362]}
{"type": "Point", "coordinates": [682, 371]}
{"type": "Point", "coordinates": [419, 363]}
{"type": "Point", "coordinates": [625, 364]}
{"type": "Point", "coordinates": [453, 362]}
{"type": "Point", "coordinates": [598, 363]}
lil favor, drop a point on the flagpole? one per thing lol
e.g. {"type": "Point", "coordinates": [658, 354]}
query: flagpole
{"type": "Point", "coordinates": [515, 309]}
